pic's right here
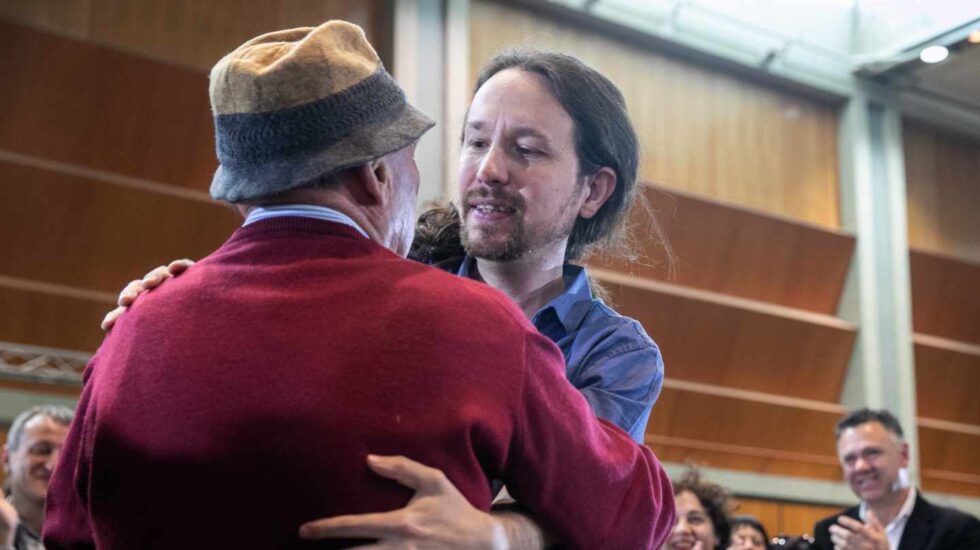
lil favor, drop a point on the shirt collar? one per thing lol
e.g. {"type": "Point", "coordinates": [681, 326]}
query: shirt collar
{"type": "Point", "coordinates": [303, 211]}
{"type": "Point", "coordinates": [903, 513]}
{"type": "Point", "coordinates": [567, 306]}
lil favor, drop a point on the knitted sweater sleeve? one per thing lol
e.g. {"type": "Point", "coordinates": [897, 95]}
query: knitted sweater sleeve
{"type": "Point", "coordinates": [66, 523]}
{"type": "Point", "coordinates": [583, 478]}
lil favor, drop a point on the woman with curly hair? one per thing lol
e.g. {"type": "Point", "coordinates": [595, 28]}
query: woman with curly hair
{"type": "Point", "coordinates": [703, 514]}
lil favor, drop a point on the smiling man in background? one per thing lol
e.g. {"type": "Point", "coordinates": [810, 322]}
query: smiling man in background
{"type": "Point", "coordinates": [892, 514]}
{"type": "Point", "coordinates": [29, 458]}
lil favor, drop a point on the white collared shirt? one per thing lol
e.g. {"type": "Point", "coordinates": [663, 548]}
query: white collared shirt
{"type": "Point", "coordinates": [302, 211]}
{"type": "Point", "coordinates": [895, 529]}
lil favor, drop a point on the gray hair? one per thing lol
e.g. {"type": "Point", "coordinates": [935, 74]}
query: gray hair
{"type": "Point", "coordinates": [59, 413]}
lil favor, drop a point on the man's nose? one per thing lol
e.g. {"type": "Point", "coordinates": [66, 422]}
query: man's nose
{"type": "Point", "coordinates": [493, 167]}
{"type": "Point", "coordinates": [861, 464]}
{"type": "Point", "coordinates": [682, 526]}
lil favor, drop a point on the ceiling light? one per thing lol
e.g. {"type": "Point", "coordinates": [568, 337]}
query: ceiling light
{"type": "Point", "coordinates": [934, 54]}
{"type": "Point", "coordinates": [974, 37]}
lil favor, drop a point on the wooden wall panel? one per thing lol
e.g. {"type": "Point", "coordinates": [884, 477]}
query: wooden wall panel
{"type": "Point", "coordinates": [789, 518]}
{"type": "Point", "coordinates": [766, 511]}
{"type": "Point", "coordinates": [740, 434]}
{"type": "Point", "coordinates": [799, 519]}
{"type": "Point", "coordinates": [700, 130]}
{"type": "Point", "coordinates": [943, 186]}
{"type": "Point", "coordinates": [947, 376]}
{"type": "Point", "coordinates": [717, 340]}
{"type": "Point", "coordinates": [191, 32]}
{"type": "Point", "coordinates": [945, 299]}
{"type": "Point", "coordinates": [81, 232]}
{"type": "Point", "coordinates": [950, 486]}
{"type": "Point", "coordinates": [51, 321]}
{"type": "Point", "coordinates": [739, 251]}
{"type": "Point", "coordinates": [77, 103]}
{"type": "Point", "coordinates": [950, 452]}
{"type": "Point", "coordinates": [68, 17]}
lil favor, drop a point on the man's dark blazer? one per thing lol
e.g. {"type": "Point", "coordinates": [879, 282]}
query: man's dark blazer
{"type": "Point", "coordinates": [929, 527]}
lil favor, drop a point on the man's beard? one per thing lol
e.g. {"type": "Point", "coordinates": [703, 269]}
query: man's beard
{"type": "Point", "coordinates": [484, 246]}
{"type": "Point", "coordinates": [519, 242]}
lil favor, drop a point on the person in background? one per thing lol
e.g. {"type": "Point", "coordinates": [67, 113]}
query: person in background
{"type": "Point", "coordinates": [703, 514]}
{"type": "Point", "coordinates": [892, 514]}
{"type": "Point", "coordinates": [748, 534]}
{"type": "Point", "coordinates": [29, 458]}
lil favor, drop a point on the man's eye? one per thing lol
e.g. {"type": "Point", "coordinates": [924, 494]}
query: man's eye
{"type": "Point", "coordinates": [41, 449]}
{"type": "Point", "coordinates": [476, 144]}
{"type": "Point", "coordinates": [525, 151]}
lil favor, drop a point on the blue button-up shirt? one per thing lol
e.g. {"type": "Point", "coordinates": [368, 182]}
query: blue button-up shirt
{"type": "Point", "coordinates": [608, 357]}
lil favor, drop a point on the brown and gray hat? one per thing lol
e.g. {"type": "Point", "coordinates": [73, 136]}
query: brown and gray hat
{"type": "Point", "coordinates": [292, 106]}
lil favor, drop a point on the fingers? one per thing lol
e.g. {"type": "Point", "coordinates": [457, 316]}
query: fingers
{"type": "Point", "coordinates": [110, 318]}
{"type": "Point", "coordinates": [177, 267]}
{"type": "Point", "coordinates": [158, 275]}
{"type": "Point", "coordinates": [130, 292]}
{"type": "Point", "coordinates": [850, 523]}
{"type": "Point", "coordinates": [376, 526]}
{"type": "Point", "coordinates": [409, 473]}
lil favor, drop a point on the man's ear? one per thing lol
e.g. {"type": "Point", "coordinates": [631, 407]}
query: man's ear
{"type": "Point", "coordinates": [600, 187]}
{"type": "Point", "coordinates": [5, 459]}
{"type": "Point", "coordinates": [373, 183]}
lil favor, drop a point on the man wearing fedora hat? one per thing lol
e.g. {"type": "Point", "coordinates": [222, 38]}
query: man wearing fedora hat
{"type": "Point", "coordinates": [306, 346]}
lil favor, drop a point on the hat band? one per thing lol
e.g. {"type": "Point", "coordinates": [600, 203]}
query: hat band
{"type": "Point", "coordinates": [249, 139]}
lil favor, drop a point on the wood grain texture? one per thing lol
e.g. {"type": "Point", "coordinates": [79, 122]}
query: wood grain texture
{"type": "Point", "coordinates": [700, 130]}
{"type": "Point", "coordinates": [713, 339]}
{"type": "Point", "coordinates": [192, 33]}
{"type": "Point", "coordinates": [51, 321]}
{"type": "Point", "coordinates": [740, 434]}
{"type": "Point", "coordinates": [942, 173]}
{"type": "Point", "coordinates": [799, 519]}
{"type": "Point", "coordinates": [953, 487]}
{"type": "Point", "coordinates": [84, 233]}
{"type": "Point", "coordinates": [946, 381]}
{"type": "Point", "coordinates": [67, 17]}
{"type": "Point", "coordinates": [789, 518]}
{"type": "Point", "coordinates": [737, 251]}
{"type": "Point", "coordinates": [766, 511]}
{"type": "Point", "coordinates": [945, 295]}
{"type": "Point", "coordinates": [950, 452]}
{"type": "Point", "coordinates": [73, 102]}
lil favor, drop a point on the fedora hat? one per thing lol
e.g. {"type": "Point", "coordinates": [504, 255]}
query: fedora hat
{"type": "Point", "coordinates": [295, 105]}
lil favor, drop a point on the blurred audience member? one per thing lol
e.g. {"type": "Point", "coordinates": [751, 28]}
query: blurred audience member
{"type": "Point", "coordinates": [703, 514]}
{"type": "Point", "coordinates": [29, 458]}
{"type": "Point", "coordinates": [892, 515]}
{"type": "Point", "coordinates": [748, 534]}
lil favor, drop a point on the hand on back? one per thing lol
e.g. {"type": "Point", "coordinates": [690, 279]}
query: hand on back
{"type": "Point", "coordinates": [136, 287]}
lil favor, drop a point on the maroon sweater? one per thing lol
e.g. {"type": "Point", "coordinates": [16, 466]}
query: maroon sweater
{"type": "Point", "coordinates": [240, 400]}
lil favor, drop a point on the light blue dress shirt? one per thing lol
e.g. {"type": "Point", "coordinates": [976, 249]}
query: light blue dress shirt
{"type": "Point", "coordinates": [608, 357]}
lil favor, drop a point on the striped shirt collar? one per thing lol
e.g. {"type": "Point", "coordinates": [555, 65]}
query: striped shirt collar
{"type": "Point", "coordinates": [303, 211]}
